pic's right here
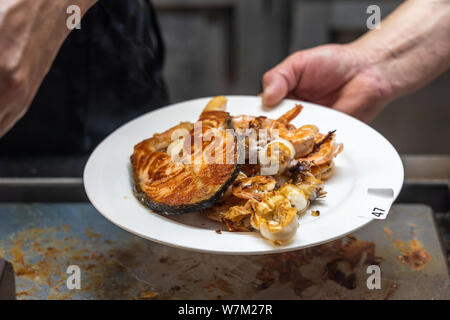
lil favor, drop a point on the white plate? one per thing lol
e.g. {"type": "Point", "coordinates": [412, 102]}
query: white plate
{"type": "Point", "coordinates": [368, 160]}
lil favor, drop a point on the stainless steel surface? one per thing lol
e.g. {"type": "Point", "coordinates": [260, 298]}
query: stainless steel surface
{"type": "Point", "coordinates": [42, 240]}
{"type": "Point", "coordinates": [427, 180]}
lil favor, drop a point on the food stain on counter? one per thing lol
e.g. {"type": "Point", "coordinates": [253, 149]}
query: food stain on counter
{"type": "Point", "coordinates": [117, 265]}
{"type": "Point", "coordinates": [338, 259]}
{"type": "Point", "coordinates": [393, 288]}
{"type": "Point", "coordinates": [220, 284]}
{"type": "Point", "coordinates": [147, 295]}
{"type": "Point", "coordinates": [341, 268]}
{"type": "Point", "coordinates": [66, 228]}
{"type": "Point", "coordinates": [91, 234]}
{"type": "Point", "coordinates": [413, 253]}
{"type": "Point", "coordinates": [40, 258]}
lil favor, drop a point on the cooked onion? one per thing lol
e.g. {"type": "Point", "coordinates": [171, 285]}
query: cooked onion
{"type": "Point", "coordinates": [295, 196]}
{"type": "Point", "coordinates": [286, 233]}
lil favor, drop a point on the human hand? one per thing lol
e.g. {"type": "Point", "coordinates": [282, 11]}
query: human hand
{"type": "Point", "coordinates": [32, 32]}
{"type": "Point", "coordinates": [409, 50]}
{"type": "Point", "coordinates": [338, 76]}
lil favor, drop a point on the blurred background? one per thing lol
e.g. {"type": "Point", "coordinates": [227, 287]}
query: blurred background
{"type": "Point", "coordinates": [225, 46]}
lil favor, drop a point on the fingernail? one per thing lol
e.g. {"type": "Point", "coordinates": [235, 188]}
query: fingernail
{"type": "Point", "coordinates": [266, 95]}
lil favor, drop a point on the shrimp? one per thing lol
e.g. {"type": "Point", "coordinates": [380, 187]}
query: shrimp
{"type": "Point", "coordinates": [244, 122]}
{"type": "Point", "coordinates": [324, 171]}
{"type": "Point", "coordinates": [302, 138]}
{"type": "Point", "coordinates": [324, 150]}
{"type": "Point", "coordinates": [291, 114]}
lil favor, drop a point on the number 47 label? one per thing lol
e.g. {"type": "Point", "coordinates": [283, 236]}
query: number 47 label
{"type": "Point", "coordinates": [378, 202]}
{"type": "Point", "coordinates": [377, 212]}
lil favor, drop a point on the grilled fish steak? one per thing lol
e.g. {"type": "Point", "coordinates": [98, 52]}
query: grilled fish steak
{"type": "Point", "coordinates": [176, 187]}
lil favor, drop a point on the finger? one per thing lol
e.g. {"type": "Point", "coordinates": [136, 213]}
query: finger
{"type": "Point", "coordinates": [363, 109]}
{"type": "Point", "coordinates": [5, 123]}
{"type": "Point", "coordinates": [280, 80]}
{"type": "Point", "coordinates": [292, 96]}
{"type": "Point", "coordinates": [275, 88]}
{"type": "Point", "coordinates": [8, 120]}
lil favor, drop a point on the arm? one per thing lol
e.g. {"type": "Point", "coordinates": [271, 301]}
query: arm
{"type": "Point", "coordinates": [31, 33]}
{"type": "Point", "coordinates": [361, 78]}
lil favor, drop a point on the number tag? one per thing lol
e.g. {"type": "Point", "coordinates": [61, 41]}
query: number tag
{"type": "Point", "coordinates": [378, 203]}
{"type": "Point", "coordinates": [377, 212]}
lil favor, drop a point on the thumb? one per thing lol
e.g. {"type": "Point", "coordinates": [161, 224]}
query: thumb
{"type": "Point", "coordinates": [281, 79]}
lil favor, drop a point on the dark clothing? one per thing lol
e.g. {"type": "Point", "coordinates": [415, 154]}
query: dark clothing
{"type": "Point", "coordinates": [105, 74]}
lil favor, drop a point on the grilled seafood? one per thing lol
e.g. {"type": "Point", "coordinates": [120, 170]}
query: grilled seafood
{"type": "Point", "coordinates": [321, 158]}
{"type": "Point", "coordinates": [274, 214]}
{"type": "Point", "coordinates": [275, 218]}
{"type": "Point", "coordinates": [323, 171]}
{"type": "Point", "coordinates": [275, 156]}
{"type": "Point", "coordinates": [237, 218]}
{"type": "Point", "coordinates": [267, 194]}
{"type": "Point", "coordinates": [176, 187]}
{"type": "Point", "coordinates": [305, 180]}
{"type": "Point", "coordinates": [253, 187]}
{"type": "Point", "coordinates": [302, 139]}
{"type": "Point", "coordinates": [273, 210]}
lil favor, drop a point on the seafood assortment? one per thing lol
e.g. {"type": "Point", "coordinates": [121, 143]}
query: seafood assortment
{"type": "Point", "coordinates": [251, 173]}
